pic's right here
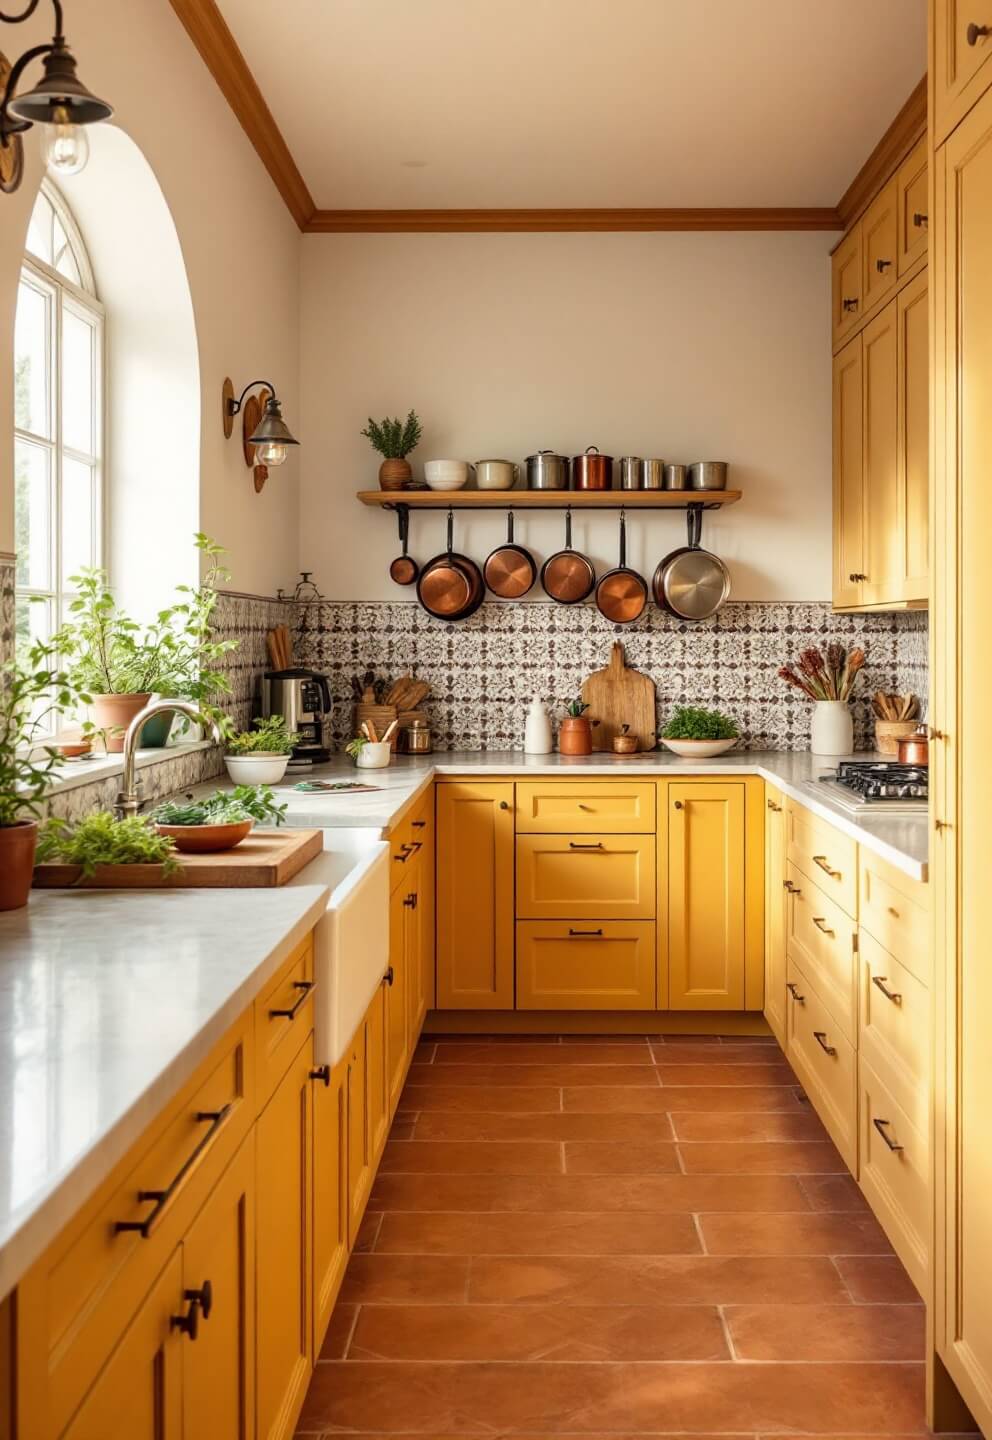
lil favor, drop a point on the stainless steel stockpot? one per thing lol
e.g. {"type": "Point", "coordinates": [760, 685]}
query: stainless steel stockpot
{"type": "Point", "coordinates": [547, 471]}
{"type": "Point", "coordinates": [652, 474]}
{"type": "Point", "coordinates": [708, 475]}
{"type": "Point", "coordinates": [674, 477]}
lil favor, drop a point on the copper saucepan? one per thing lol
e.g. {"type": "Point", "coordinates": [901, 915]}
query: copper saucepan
{"type": "Point", "coordinates": [567, 576]}
{"type": "Point", "coordinates": [404, 570]}
{"type": "Point", "coordinates": [622, 594]}
{"type": "Point", "coordinates": [914, 749]}
{"type": "Point", "coordinates": [451, 586]}
{"type": "Point", "coordinates": [510, 570]}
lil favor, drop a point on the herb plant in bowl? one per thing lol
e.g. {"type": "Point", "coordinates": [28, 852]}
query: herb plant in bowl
{"type": "Point", "coordinates": [219, 822]}
{"type": "Point", "coordinates": [259, 756]}
{"type": "Point", "coordinates": [699, 734]}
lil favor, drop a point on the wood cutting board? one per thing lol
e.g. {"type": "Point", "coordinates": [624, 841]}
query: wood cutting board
{"type": "Point", "coordinates": [620, 696]}
{"type": "Point", "coordinates": [265, 858]}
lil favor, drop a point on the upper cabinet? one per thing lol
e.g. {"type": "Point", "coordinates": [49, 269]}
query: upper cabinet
{"type": "Point", "coordinates": [879, 232]}
{"type": "Point", "coordinates": [962, 45]}
{"type": "Point", "coordinates": [847, 283]}
{"type": "Point", "coordinates": [913, 220]}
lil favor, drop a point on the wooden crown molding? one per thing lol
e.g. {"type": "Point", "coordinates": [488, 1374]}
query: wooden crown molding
{"type": "Point", "coordinates": [219, 50]}
{"type": "Point", "coordinates": [908, 127]}
{"type": "Point", "coordinates": [423, 222]}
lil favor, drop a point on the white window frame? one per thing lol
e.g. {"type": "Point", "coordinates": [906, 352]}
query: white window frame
{"type": "Point", "coordinates": [64, 295]}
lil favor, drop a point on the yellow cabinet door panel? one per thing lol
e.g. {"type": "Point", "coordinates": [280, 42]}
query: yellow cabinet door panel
{"type": "Point", "coordinates": [821, 938]}
{"type": "Point", "coordinates": [823, 854]}
{"type": "Point", "coordinates": [475, 896]}
{"type": "Point", "coordinates": [607, 877]}
{"type": "Point", "coordinates": [893, 1166]}
{"type": "Point", "coordinates": [847, 282]}
{"type": "Point", "coordinates": [895, 909]}
{"type": "Point", "coordinates": [219, 1263]}
{"type": "Point", "coordinates": [284, 1257]}
{"type": "Point", "coordinates": [879, 247]}
{"type": "Point", "coordinates": [775, 912]}
{"type": "Point", "coordinates": [578, 808]}
{"type": "Point", "coordinates": [606, 965]}
{"type": "Point", "coordinates": [883, 565]}
{"type": "Point", "coordinates": [706, 896]}
{"type": "Point", "coordinates": [894, 1028]}
{"type": "Point", "coordinates": [330, 1192]}
{"type": "Point", "coordinates": [913, 412]}
{"type": "Point", "coordinates": [848, 474]}
{"type": "Point", "coordinates": [139, 1395]}
{"type": "Point", "coordinates": [913, 206]}
{"type": "Point", "coordinates": [825, 1062]}
{"type": "Point", "coordinates": [960, 60]}
{"type": "Point", "coordinates": [360, 1139]}
{"type": "Point", "coordinates": [397, 1005]}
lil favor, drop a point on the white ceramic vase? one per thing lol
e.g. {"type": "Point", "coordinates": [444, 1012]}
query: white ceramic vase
{"type": "Point", "coordinates": [832, 731]}
{"type": "Point", "coordinates": [537, 729]}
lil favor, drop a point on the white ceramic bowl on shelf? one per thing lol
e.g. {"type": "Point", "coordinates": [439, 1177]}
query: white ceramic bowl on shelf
{"type": "Point", "coordinates": [698, 749]}
{"type": "Point", "coordinates": [258, 769]}
{"type": "Point", "coordinates": [447, 474]}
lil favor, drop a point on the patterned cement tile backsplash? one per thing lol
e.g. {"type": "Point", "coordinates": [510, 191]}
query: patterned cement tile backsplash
{"type": "Point", "coordinates": [483, 671]}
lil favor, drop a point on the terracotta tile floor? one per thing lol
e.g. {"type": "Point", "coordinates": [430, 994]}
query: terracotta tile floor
{"type": "Point", "coordinates": [613, 1238]}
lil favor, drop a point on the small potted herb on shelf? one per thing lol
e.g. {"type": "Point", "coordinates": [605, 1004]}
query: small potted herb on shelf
{"type": "Point", "coordinates": [698, 733]}
{"type": "Point", "coordinates": [394, 439]}
{"type": "Point", "coordinates": [219, 822]}
{"type": "Point", "coordinates": [259, 756]}
{"type": "Point", "coordinates": [575, 730]}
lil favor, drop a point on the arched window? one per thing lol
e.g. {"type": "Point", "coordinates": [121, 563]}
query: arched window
{"type": "Point", "coordinates": [58, 417]}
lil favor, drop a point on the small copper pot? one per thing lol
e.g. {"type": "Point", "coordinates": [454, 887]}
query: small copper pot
{"type": "Point", "coordinates": [592, 471]}
{"type": "Point", "coordinates": [624, 744]}
{"type": "Point", "coordinates": [914, 749]}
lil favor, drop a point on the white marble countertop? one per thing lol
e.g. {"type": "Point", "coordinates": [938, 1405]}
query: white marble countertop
{"type": "Point", "coordinates": [109, 999]}
{"type": "Point", "coordinates": [901, 839]}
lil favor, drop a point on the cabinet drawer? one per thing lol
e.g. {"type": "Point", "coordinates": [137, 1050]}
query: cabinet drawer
{"type": "Point", "coordinates": [911, 183]}
{"type": "Point", "coordinates": [77, 1300]}
{"type": "Point", "coordinates": [581, 809]}
{"type": "Point", "coordinates": [606, 877]}
{"type": "Point", "coordinates": [820, 937]}
{"type": "Point", "coordinates": [894, 1028]}
{"type": "Point", "coordinates": [895, 910]}
{"type": "Point", "coordinates": [880, 247]}
{"type": "Point", "coordinates": [894, 1165]}
{"type": "Point", "coordinates": [846, 285]}
{"type": "Point", "coordinates": [609, 965]}
{"type": "Point", "coordinates": [825, 1063]}
{"type": "Point", "coordinates": [283, 1018]}
{"type": "Point", "coordinates": [821, 852]}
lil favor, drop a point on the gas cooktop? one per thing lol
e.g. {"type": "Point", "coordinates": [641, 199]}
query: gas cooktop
{"type": "Point", "coordinates": [876, 785]}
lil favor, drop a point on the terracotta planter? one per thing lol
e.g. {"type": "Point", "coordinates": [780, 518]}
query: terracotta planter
{"type": "Point", "coordinates": [17, 844]}
{"type": "Point", "coordinates": [394, 474]}
{"type": "Point", "coordinates": [575, 736]}
{"type": "Point", "coordinates": [113, 714]}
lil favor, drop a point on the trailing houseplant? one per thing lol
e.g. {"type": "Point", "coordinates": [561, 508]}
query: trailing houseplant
{"type": "Point", "coordinates": [394, 439]}
{"type": "Point", "coordinates": [828, 680]}
{"type": "Point", "coordinates": [694, 730]}
{"type": "Point", "coordinates": [260, 755]}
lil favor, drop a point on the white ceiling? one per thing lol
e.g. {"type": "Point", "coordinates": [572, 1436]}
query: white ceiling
{"type": "Point", "coordinates": [495, 103]}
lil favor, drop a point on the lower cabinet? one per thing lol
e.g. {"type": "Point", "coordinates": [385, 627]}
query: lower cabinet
{"type": "Point", "coordinates": [776, 899]}
{"type": "Point", "coordinates": [586, 965]}
{"type": "Point", "coordinates": [475, 909]}
{"type": "Point", "coordinates": [330, 1191]}
{"type": "Point", "coordinates": [361, 1142]}
{"type": "Point", "coordinates": [284, 1208]}
{"type": "Point", "coordinates": [397, 1003]}
{"type": "Point", "coordinates": [825, 1062]}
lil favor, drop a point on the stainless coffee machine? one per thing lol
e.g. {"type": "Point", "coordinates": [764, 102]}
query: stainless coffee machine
{"type": "Point", "coordinates": [303, 699]}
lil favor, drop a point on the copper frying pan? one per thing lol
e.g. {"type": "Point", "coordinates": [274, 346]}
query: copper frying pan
{"type": "Point", "coordinates": [567, 576]}
{"type": "Point", "coordinates": [510, 570]}
{"type": "Point", "coordinates": [450, 586]}
{"type": "Point", "coordinates": [622, 594]}
{"type": "Point", "coordinates": [404, 570]}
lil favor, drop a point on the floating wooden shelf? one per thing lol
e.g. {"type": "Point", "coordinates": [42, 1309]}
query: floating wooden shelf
{"type": "Point", "coordinates": [548, 499]}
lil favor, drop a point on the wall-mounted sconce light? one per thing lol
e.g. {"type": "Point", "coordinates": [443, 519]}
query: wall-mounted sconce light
{"type": "Point", "coordinates": [265, 434]}
{"type": "Point", "coordinates": [60, 102]}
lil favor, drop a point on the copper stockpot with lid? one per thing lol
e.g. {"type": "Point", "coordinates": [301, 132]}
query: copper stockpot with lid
{"type": "Point", "coordinates": [592, 471]}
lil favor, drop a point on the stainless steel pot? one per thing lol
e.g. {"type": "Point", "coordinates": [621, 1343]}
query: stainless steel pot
{"type": "Point", "coordinates": [652, 474]}
{"type": "Point", "coordinates": [547, 471]}
{"type": "Point", "coordinates": [630, 472]}
{"type": "Point", "coordinates": [674, 477]}
{"type": "Point", "coordinates": [708, 475]}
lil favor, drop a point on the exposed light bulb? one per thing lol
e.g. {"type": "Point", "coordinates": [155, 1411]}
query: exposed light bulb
{"type": "Point", "coordinates": [66, 147]}
{"type": "Point", "coordinates": [271, 452]}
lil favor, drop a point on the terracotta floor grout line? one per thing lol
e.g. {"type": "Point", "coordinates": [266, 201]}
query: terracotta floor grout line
{"type": "Point", "coordinates": [351, 1332]}
{"type": "Point", "coordinates": [699, 1233]}
{"type": "Point", "coordinates": [728, 1337]}
{"type": "Point", "coordinates": [564, 1160]}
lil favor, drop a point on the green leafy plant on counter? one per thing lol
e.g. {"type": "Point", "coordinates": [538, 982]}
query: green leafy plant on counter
{"type": "Point", "coordinates": [394, 439]}
{"type": "Point", "coordinates": [692, 722]}
{"type": "Point", "coordinates": [355, 747]}
{"type": "Point", "coordinates": [269, 736]}
{"type": "Point", "coordinates": [575, 708]}
{"type": "Point", "coordinates": [29, 691]}
{"type": "Point", "coordinates": [224, 807]}
{"type": "Point", "coordinates": [101, 839]}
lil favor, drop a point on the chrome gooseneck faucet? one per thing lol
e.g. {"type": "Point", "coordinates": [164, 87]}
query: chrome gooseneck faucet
{"type": "Point", "coordinates": [129, 795]}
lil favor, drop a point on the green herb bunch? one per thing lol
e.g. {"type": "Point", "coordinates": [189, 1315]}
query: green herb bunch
{"type": "Point", "coordinates": [355, 747]}
{"type": "Point", "coordinates": [29, 691]}
{"type": "Point", "coordinates": [224, 807]}
{"type": "Point", "coordinates": [101, 840]}
{"type": "Point", "coordinates": [268, 737]}
{"type": "Point", "coordinates": [691, 722]}
{"type": "Point", "coordinates": [394, 439]}
{"type": "Point", "coordinates": [575, 708]}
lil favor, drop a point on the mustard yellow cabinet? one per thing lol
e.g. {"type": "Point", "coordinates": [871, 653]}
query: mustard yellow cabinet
{"type": "Point", "coordinates": [397, 1020]}
{"type": "Point", "coordinates": [475, 914]}
{"type": "Point", "coordinates": [330, 1191]}
{"type": "Point", "coordinates": [879, 246]}
{"type": "Point", "coordinates": [775, 912]}
{"type": "Point", "coordinates": [961, 44]}
{"type": "Point", "coordinates": [603, 877]}
{"type": "Point", "coordinates": [361, 1159]}
{"type": "Point", "coordinates": [378, 1096]}
{"type": "Point", "coordinates": [417, 944]}
{"type": "Point", "coordinates": [848, 474]}
{"type": "Point", "coordinates": [881, 466]}
{"type": "Point", "coordinates": [846, 285]}
{"type": "Point", "coordinates": [284, 1256]}
{"type": "Point", "coordinates": [913, 207]}
{"type": "Point", "coordinates": [585, 965]}
{"type": "Point", "coordinates": [712, 874]}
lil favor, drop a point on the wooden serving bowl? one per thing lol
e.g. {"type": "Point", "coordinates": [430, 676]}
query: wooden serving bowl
{"type": "Point", "coordinates": [205, 839]}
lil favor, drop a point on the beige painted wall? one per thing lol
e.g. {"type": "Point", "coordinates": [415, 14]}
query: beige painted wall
{"type": "Point", "coordinates": [686, 346]}
{"type": "Point", "coordinates": [242, 256]}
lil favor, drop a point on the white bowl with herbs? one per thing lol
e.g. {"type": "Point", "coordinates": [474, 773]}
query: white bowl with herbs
{"type": "Point", "coordinates": [696, 733]}
{"type": "Point", "coordinates": [259, 756]}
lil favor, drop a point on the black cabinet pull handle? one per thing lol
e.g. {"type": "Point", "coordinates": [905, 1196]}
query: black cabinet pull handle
{"type": "Point", "coordinates": [822, 926]}
{"type": "Point", "coordinates": [793, 990]}
{"type": "Point", "coordinates": [792, 889]}
{"type": "Point", "coordinates": [146, 1227]}
{"type": "Point", "coordinates": [820, 1036]}
{"type": "Point", "coordinates": [880, 1126]}
{"type": "Point", "coordinates": [589, 934]}
{"type": "Point", "coordinates": [409, 847]}
{"type": "Point", "coordinates": [304, 987]}
{"type": "Point", "coordinates": [920, 219]}
{"type": "Point", "coordinates": [200, 1303]}
{"type": "Point", "coordinates": [882, 265]}
{"type": "Point", "coordinates": [592, 845]}
{"type": "Point", "coordinates": [974, 32]}
{"type": "Point", "coordinates": [418, 824]}
{"type": "Point", "coordinates": [322, 1072]}
{"type": "Point", "coordinates": [879, 982]}
{"type": "Point", "coordinates": [389, 976]}
{"type": "Point", "coordinates": [850, 305]}
{"type": "Point", "coordinates": [772, 806]}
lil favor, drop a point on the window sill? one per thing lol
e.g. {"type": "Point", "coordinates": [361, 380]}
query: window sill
{"type": "Point", "coordinates": [73, 773]}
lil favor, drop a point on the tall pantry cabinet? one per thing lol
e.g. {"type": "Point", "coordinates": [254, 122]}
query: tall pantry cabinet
{"type": "Point", "coordinates": [961, 523]}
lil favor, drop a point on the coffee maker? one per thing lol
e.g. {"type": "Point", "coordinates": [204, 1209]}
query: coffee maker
{"type": "Point", "coordinates": [303, 699]}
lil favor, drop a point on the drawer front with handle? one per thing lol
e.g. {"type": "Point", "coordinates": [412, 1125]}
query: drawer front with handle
{"type": "Point", "coordinates": [605, 877]}
{"type": "Point", "coordinates": [893, 1172]}
{"type": "Point", "coordinates": [410, 837]}
{"type": "Point", "coordinates": [605, 965]}
{"type": "Point", "coordinates": [895, 1029]}
{"type": "Point", "coordinates": [824, 855]}
{"type": "Point", "coordinates": [895, 911]}
{"type": "Point", "coordinates": [825, 1063]}
{"type": "Point", "coordinates": [581, 809]}
{"type": "Point", "coordinates": [78, 1298]}
{"type": "Point", "coordinates": [283, 1017]}
{"type": "Point", "coordinates": [962, 45]}
{"type": "Point", "coordinates": [820, 937]}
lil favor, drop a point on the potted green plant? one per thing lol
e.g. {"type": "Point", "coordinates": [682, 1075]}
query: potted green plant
{"type": "Point", "coordinates": [394, 439]}
{"type": "Point", "coordinates": [698, 733]}
{"type": "Point", "coordinates": [28, 693]}
{"type": "Point", "coordinates": [80, 849]}
{"type": "Point", "coordinates": [369, 754]}
{"type": "Point", "coordinates": [220, 821]}
{"type": "Point", "coordinates": [259, 756]}
{"type": "Point", "coordinates": [575, 730]}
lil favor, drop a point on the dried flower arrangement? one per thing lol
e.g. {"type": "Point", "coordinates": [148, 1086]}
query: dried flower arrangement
{"type": "Point", "coordinates": [825, 677]}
